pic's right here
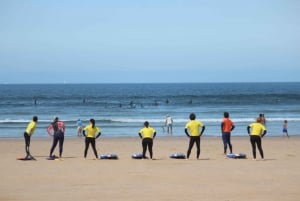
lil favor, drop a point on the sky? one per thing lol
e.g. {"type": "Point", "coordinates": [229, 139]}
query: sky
{"type": "Point", "coordinates": [157, 41]}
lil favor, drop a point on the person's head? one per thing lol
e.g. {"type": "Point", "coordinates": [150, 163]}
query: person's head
{"type": "Point", "coordinates": [258, 120]}
{"type": "Point", "coordinates": [167, 115]}
{"type": "Point", "coordinates": [285, 121]}
{"type": "Point", "coordinates": [146, 123]}
{"type": "Point", "coordinates": [226, 115]}
{"type": "Point", "coordinates": [55, 118]}
{"type": "Point", "coordinates": [92, 121]}
{"type": "Point", "coordinates": [35, 118]}
{"type": "Point", "coordinates": [192, 116]}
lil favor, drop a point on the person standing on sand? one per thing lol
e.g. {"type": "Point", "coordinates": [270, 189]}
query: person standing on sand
{"type": "Point", "coordinates": [193, 126]}
{"type": "Point", "coordinates": [168, 124]}
{"type": "Point", "coordinates": [90, 132]}
{"type": "Point", "coordinates": [79, 128]}
{"type": "Point", "coordinates": [27, 135]}
{"type": "Point", "coordinates": [57, 130]}
{"type": "Point", "coordinates": [147, 134]}
{"type": "Point", "coordinates": [284, 128]}
{"type": "Point", "coordinates": [226, 127]}
{"type": "Point", "coordinates": [258, 131]}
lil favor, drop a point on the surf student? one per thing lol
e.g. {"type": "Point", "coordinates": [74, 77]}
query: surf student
{"type": "Point", "coordinates": [192, 130]}
{"type": "Point", "coordinates": [256, 131]}
{"type": "Point", "coordinates": [28, 133]}
{"type": "Point", "coordinates": [90, 132]}
{"type": "Point", "coordinates": [226, 127]}
{"type": "Point", "coordinates": [57, 130]}
{"type": "Point", "coordinates": [147, 134]}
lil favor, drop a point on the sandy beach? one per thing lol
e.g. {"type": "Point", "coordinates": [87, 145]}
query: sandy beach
{"type": "Point", "coordinates": [213, 177]}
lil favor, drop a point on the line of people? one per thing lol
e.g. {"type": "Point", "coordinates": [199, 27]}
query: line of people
{"type": "Point", "coordinates": [194, 129]}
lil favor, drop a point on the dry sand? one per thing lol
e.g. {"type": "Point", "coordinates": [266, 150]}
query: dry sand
{"type": "Point", "coordinates": [212, 178]}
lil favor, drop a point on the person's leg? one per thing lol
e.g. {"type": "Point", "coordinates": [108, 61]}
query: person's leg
{"type": "Point", "coordinates": [258, 142]}
{"type": "Point", "coordinates": [27, 144]}
{"type": "Point", "coordinates": [150, 145]}
{"type": "Point", "coordinates": [252, 140]}
{"type": "Point", "coordinates": [198, 146]}
{"type": "Point", "coordinates": [144, 144]}
{"type": "Point", "coordinates": [229, 142]}
{"type": "Point", "coordinates": [61, 144]}
{"type": "Point", "coordinates": [55, 140]}
{"type": "Point", "coordinates": [190, 147]}
{"type": "Point", "coordinates": [87, 144]}
{"type": "Point", "coordinates": [224, 142]}
{"type": "Point", "coordinates": [93, 143]}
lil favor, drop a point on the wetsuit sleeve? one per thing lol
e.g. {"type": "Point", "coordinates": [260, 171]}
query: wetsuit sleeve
{"type": "Point", "coordinates": [154, 134]}
{"type": "Point", "coordinates": [50, 130]}
{"type": "Point", "coordinates": [233, 126]}
{"type": "Point", "coordinates": [248, 130]}
{"type": "Point", "coordinates": [140, 135]}
{"type": "Point", "coordinates": [83, 133]}
{"type": "Point", "coordinates": [264, 133]}
{"type": "Point", "coordinates": [186, 132]}
{"type": "Point", "coordinates": [222, 126]}
{"type": "Point", "coordinates": [98, 135]}
{"type": "Point", "coordinates": [203, 129]}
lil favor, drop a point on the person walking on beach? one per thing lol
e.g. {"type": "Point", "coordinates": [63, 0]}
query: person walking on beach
{"type": "Point", "coordinates": [27, 135]}
{"type": "Point", "coordinates": [57, 130]}
{"type": "Point", "coordinates": [192, 130]}
{"type": "Point", "coordinates": [147, 134]}
{"type": "Point", "coordinates": [79, 128]}
{"type": "Point", "coordinates": [256, 131]}
{"type": "Point", "coordinates": [91, 132]}
{"type": "Point", "coordinates": [285, 128]}
{"type": "Point", "coordinates": [226, 127]}
{"type": "Point", "coordinates": [168, 124]}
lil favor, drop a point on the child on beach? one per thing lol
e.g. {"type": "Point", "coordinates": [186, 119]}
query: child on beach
{"type": "Point", "coordinates": [258, 131]}
{"type": "Point", "coordinates": [90, 132]}
{"type": "Point", "coordinates": [284, 128]}
{"type": "Point", "coordinates": [168, 124]}
{"type": "Point", "coordinates": [27, 135]}
{"type": "Point", "coordinates": [193, 126]}
{"type": "Point", "coordinates": [147, 134]}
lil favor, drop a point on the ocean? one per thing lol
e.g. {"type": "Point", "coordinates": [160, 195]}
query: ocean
{"type": "Point", "coordinates": [121, 109]}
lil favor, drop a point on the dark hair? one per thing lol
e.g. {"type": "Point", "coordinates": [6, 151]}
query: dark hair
{"type": "Point", "coordinates": [146, 123]}
{"type": "Point", "coordinates": [192, 116]}
{"type": "Point", "coordinates": [35, 118]}
{"type": "Point", "coordinates": [92, 122]}
{"type": "Point", "coordinates": [226, 114]}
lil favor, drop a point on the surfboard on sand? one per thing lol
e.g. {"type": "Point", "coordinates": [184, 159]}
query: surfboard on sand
{"type": "Point", "coordinates": [236, 156]}
{"type": "Point", "coordinates": [137, 156]}
{"type": "Point", "coordinates": [177, 156]}
{"type": "Point", "coordinates": [109, 156]}
{"type": "Point", "coordinates": [27, 158]}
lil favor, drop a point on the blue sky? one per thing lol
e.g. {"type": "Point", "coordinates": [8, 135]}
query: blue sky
{"type": "Point", "coordinates": [149, 41]}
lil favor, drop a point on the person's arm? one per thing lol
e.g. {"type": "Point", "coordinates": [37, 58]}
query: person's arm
{"type": "Point", "coordinates": [248, 130]}
{"type": "Point", "coordinates": [83, 133]}
{"type": "Point", "coordinates": [50, 130]}
{"type": "Point", "coordinates": [233, 126]}
{"type": "Point", "coordinates": [222, 127]}
{"type": "Point", "coordinates": [186, 132]}
{"type": "Point", "coordinates": [202, 131]}
{"type": "Point", "coordinates": [98, 135]}
{"type": "Point", "coordinates": [154, 134]}
{"type": "Point", "coordinates": [140, 135]}
{"type": "Point", "coordinates": [264, 133]}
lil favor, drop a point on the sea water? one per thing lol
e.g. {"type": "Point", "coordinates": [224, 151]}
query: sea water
{"type": "Point", "coordinates": [121, 109]}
